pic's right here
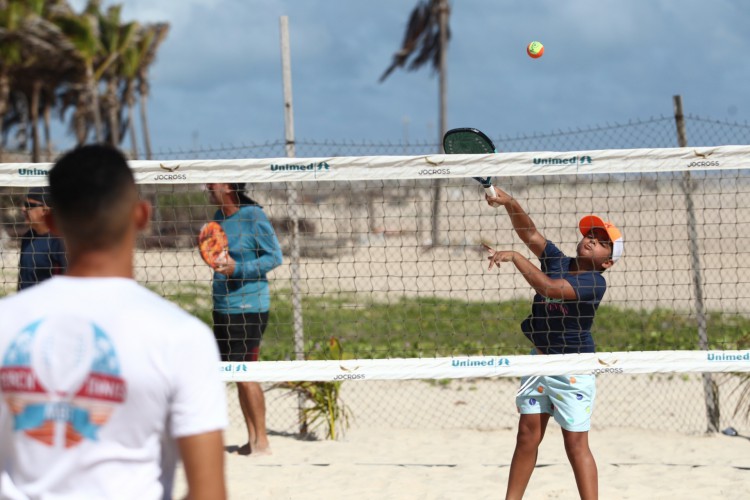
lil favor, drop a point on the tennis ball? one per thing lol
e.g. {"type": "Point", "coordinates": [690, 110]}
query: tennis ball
{"type": "Point", "coordinates": [535, 50]}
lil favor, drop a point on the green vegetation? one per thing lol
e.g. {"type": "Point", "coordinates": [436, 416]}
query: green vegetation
{"type": "Point", "coordinates": [426, 327]}
{"type": "Point", "coordinates": [324, 403]}
{"type": "Point", "coordinates": [89, 67]}
{"type": "Point", "coordinates": [184, 207]}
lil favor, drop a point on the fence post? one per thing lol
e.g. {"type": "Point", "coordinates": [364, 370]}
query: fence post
{"type": "Point", "coordinates": [299, 334]}
{"type": "Point", "coordinates": [710, 389]}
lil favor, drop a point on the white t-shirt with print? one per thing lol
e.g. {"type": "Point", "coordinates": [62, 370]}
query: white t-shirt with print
{"type": "Point", "coordinates": [95, 375]}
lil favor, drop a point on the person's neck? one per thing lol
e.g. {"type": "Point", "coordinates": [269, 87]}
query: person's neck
{"type": "Point", "coordinates": [230, 209]}
{"type": "Point", "coordinates": [581, 266]}
{"type": "Point", "coordinates": [107, 263]}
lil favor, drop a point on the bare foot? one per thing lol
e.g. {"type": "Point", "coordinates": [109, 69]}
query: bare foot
{"type": "Point", "coordinates": [246, 450]}
{"type": "Point", "coordinates": [262, 451]}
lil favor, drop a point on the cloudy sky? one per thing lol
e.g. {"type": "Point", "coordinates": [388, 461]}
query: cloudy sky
{"type": "Point", "coordinates": [218, 81]}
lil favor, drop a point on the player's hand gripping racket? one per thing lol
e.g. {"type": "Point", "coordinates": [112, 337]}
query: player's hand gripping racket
{"type": "Point", "coordinates": [213, 243]}
{"type": "Point", "coordinates": [470, 141]}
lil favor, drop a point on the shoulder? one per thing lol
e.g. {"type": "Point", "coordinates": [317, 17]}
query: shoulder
{"type": "Point", "coordinates": [56, 242]}
{"type": "Point", "coordinates": [593, 279]}
{"type": "Point", "coordinates": [252, 213]}
{"type": "Point", "coordinates": [552, 251]}
{"type": "Point", "coordinates": [162, 309]}
{"type": "Point", "coordinates": [25, 303]}
{"type": "Point", "coordinates": [252, 210]}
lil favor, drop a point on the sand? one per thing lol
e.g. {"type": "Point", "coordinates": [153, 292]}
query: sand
{"type": "Point", "coordinates": [383, 456]}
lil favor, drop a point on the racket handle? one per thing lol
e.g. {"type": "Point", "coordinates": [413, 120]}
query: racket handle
{"type": "Point", "coordinates": [490, 191]}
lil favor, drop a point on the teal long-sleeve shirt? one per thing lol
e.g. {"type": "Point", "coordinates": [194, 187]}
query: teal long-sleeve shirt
{"type": "Point", "coordinates": [256, 250]}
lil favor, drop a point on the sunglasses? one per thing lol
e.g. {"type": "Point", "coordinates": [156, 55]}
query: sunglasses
{"type": "Point", "coordinates": [28, 205]}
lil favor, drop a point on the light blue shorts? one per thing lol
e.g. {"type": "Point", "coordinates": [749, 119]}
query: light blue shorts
{"type": "Point", "coordinates": [569, 398]}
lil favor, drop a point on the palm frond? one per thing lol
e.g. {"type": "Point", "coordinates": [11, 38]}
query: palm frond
{"type": "Point", "coordinates": [422, 37]}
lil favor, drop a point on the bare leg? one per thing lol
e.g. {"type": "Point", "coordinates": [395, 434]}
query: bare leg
{"type": "Point", "coordinates": [583, 463]}
{"type": "Point", "coordinates": [253, 404]}
{"type": "Point", "coordinates": [531, 430]}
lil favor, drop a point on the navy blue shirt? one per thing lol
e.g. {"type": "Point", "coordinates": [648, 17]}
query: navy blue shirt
{"type": "Point", "coordinates": [558, 326]}
{"type": "Point", "coordinates": [42, 256]}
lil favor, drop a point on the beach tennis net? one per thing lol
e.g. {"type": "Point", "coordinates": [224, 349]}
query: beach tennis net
{"type": "Point", "coordinates": [385, 290]}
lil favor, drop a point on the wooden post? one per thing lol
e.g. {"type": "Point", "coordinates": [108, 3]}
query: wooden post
{"type": "Point", "coordinates": [710, 389]}
{"type": "Point", "coordinates": [443, 11]}
{"type": "Point", "coordinates": [299, 336]}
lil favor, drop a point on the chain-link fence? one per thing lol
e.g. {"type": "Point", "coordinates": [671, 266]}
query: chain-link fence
{"type": "Point", "coordinates": [658, 132]}
{"type": "Point", "coordinates": [366, 246]}
{"type": "Point", "coordinates": [489, 403]}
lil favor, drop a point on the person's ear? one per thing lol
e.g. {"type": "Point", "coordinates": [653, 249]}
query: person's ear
{"type": "Point", "coordinates": [49, 220]}
{"type": "Point", "coordinates": [142, 215]}
{"type": "Point", "coordinates": [609, 263]}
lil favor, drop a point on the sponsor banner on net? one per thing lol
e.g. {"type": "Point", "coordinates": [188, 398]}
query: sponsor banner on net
{"type": "Point", "coordinates": [232, 367]}
{"type": "Point", "coordinates": [169, 174]}
{"type": "Point", "coordinates": [489, 361]}
{"type": "Point", "coordinates": [679, 361]}
{"type": "Point", "coordinates": [569, 160]}
{"type": "Point", "coordinates": [316, 168]}
{"type": "Point", "coordinates": [429, 172]}
{"type": "Point", "coordinates": [703, 160]}
{"type": "Point", "coordinates": [728, 356]}
{"type": "Point", "coordinates": [32, 172]}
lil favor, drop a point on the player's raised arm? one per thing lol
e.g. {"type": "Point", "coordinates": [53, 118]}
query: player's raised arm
{"type": "Point", "coordinates": [522, 223]}
{"type": "Point", "coordinates": [559, 289]}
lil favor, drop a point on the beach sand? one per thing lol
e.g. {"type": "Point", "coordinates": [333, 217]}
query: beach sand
{"type": "Point", "coordinates": [405, 449]}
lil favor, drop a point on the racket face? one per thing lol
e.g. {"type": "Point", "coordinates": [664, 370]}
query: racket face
{"type": "Point", "coordinates": [467, 141]}
{"type": "Point", "coordinates": [212, 243]}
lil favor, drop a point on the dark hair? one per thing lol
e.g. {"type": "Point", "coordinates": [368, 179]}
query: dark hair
{"type": "Point", "coordinates": [240, 190]}
{"type": "Point", "coordinates": [40, 194]}
{"type": "Point", "coordinates": [90, 187]}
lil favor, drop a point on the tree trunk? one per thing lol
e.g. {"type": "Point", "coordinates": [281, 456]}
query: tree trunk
{"type": "Point", "coordinates": [112, 114]}
{"type": "Point", "coordinates": [4, 94]}
{"type": "Point", "coordinates": [94, 102]}
{"type": "Point", "coordinates": [47, 134]}
{"type": "Point", "coordinates": [36, 91]}
{"type": "Point", "coordinates": [144, 127]}
{"type": "Point", "coordinates": [131, 131]}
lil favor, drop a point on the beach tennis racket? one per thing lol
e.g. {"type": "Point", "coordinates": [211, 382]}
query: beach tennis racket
{"type": "Point", "coordinates": [212, 243]}
{"type": "Point", "coordinates": [470, 141]}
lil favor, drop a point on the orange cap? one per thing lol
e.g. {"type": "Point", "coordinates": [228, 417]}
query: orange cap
{"type": "Point", "coordinates": [590, 222]}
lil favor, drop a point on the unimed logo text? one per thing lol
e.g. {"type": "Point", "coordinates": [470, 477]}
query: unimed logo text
{"type": "Point", "coordinates": [573, 160]}
{"type": "Point", "coordinates": [32, 172]}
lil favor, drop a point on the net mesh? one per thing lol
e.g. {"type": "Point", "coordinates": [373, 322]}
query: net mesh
{"type": "Point", "coordinates": [387, 278]}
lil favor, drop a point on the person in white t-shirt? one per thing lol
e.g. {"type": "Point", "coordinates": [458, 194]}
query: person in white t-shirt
{"type": "Point", "coordinates": [103, 384]}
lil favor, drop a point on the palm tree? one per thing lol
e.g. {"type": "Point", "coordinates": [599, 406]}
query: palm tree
{"type": "Point", "coordinates": [57, 65]}
{"type": "Point", "coordinates": [129, 64]}
{"type": "Point", "coordinates": [426, 40]}
{"type": "Point", "coordinates": [10, 54]}
{"type": "Point", "coordinates": [149, 46]}
{"type": "Point", "coordinates": [45, 57]}
{"type": "Point", "coordinates": [115, 39]}
{"type": "Point", "coordinates": [52, 57]}
{"type": "Point", "coordinates": [83, 32]}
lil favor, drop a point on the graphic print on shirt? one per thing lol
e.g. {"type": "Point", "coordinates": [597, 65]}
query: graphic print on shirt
{"type": "Point", "coordinates": [61, 378]}
{"type": "Point", "coordinates": [556, 305]}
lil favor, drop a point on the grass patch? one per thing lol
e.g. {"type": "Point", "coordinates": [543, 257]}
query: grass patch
{"type": "Point", "coordinates": [428, 327]}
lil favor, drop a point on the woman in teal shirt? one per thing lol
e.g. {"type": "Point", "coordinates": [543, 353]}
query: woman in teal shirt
{"type": "Point", "coordinates": [241, 296]}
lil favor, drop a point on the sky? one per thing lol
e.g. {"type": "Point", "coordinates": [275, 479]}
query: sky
{"type": "Point", "coordinates": [217, 79]}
